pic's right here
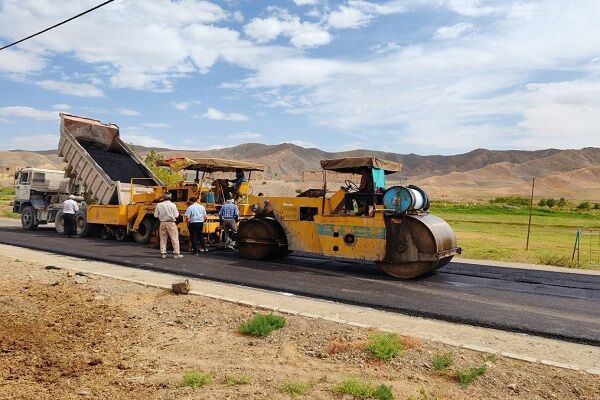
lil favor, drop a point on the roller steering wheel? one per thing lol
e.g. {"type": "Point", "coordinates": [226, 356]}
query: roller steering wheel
{"type": "Point", "coordinates": [351, 185]}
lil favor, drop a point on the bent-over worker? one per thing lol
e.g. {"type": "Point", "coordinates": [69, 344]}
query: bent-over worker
{"type": "Point", "coordinates": [195, 215]}
{"type": "Point", "coordinates": [240, 177]}
{"type": "Point", "coordinates": [229, 215]}
{"type": "Point", "coordinates": [167, 214]}
{"type": "Point", "coordinates": [70, 207]}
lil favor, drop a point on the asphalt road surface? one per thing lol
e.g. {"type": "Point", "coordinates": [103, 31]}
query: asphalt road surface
{"type": "Point", "coordinates": [550, 304]}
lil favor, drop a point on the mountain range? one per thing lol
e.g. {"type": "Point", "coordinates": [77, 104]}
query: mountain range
{"type": "Point", "coordinates": [481, 173]}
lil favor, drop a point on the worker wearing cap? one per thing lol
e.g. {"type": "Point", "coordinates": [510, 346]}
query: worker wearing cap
{"type": "Point", "coordinates": [229, 215]}
{"type": "Point", "coordinates": [70, 207]}
{"type": "Point", "coordinates": [167, 214]}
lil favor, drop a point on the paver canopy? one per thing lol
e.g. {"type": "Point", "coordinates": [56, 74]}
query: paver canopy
{"type": "Point", "coordinates": [353, 164]}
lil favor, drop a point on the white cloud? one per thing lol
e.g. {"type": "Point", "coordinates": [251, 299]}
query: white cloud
{"type": "Point", "coordinates": [156, 125]}
{"type": "Point", "coordinates": [128, 112]}
{"type": "Point", "coordinates": [245, 135]}
{"type": "Point", "coordinates": [214, 114]}
{"type": "Point", "coordinates": [20, 62]}
{"type": "Point", "coordinates": [71, 88]}
{"type": "Point", "coordinates": [302, 143]}
{"type": "Point", "coordinates": [452, 32]}
{"type": "Point", "coordinates": [181, 106]}
{"type": "Point", "coordinates": [301, 3]}
{"type": "Point", "coordinates": [141, 139]}
{"type": "Point", "coordinates": [301, 34]}
{"type": "Point", "coordinates": [61, 107]}
{"type": "Point", "coordinates": [28, 112]}
{"type": "Point", "coordinates": [471, 8]}
{"type": "Point", "coordinates": [358, 13]}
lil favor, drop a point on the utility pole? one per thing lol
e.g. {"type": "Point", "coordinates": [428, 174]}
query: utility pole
{"type": "Point", "coordinates": [530, 208]}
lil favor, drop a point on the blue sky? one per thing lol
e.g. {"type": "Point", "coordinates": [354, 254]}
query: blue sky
{"type": "Point", "coordinates": [423, 76]}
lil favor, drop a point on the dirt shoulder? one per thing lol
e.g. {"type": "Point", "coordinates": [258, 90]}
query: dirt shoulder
{"type": "Point", "coordinates": [68, 336]}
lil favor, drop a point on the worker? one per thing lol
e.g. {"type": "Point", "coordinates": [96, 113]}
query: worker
{"type": "Point", "coordinates": [195, 216]}
{"type": "Point", "coordinates": [70, 207]}
{"type": "Point", "coordinates": [167, 213]}
{"type": "Point", "coordinates": [237, 182]}
{"type": "Point", "coordinates": [366, 181]}
{"type": "Point", "coordinates": [229, 215]}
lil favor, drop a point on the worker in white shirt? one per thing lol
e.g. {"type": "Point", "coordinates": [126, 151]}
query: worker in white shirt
{"type": "Point", "coordinates": [195, 216]}
{"type": "Point", "coordinates": [167, 214]}
{"type": "Point", "coordinates": [70, 207]}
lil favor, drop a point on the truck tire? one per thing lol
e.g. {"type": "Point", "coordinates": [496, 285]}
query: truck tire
{"type": "Point", "coordinates": [84, 229]}
{"type": "Point", "coordinates": [29, 218]}
{"type": "Point", "coordinates": [59, 222]}
{"type": "Point", "coordinates": [142, 235]}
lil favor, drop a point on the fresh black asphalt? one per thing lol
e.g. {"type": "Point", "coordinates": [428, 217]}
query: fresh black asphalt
{"type": "Point", "coordinates": [550, 304]}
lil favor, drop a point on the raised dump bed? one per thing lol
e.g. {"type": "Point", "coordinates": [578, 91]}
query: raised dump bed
{"type": "Point", "coordinates": [97, 156]}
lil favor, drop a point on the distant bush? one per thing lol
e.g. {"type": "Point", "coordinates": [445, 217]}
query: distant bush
{"type": "Point", "coordinates": [542, 203]}
{"type": "Point", "coordinates": [550, 203]}
{"type": "Point", "coordinates": [299, 190]}
{"type": "Point", "coordinates": [511, 200]}
{"type": "Point", "coordinates": [596, 206]}
{"type": "Point", "coordinates": [584, 205]}
{"type": "Point", "coordinates": [561, 202]}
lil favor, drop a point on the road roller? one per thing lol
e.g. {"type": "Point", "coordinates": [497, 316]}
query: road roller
{"type": "Point", "coordinates": [363, 222]}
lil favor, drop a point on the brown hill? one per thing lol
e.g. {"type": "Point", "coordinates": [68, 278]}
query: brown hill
{"type": "Point", "coordinates": [479, 173]}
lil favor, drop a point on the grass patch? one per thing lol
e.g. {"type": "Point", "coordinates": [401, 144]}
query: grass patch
{"type": "Point", "coordinates": [467, 376]}
{"type": "Point", "coordinates": [237, 380]}
{"type": "Point", "coordinates": [294, 388]}
{"type": "Point", "coordinates": [195, 379]}
{"type": "Point", "coordinates": [384, 346]}
{"type": "Point", "coordinates": [361, 390]}
{"type": "Point", "coordinates": [262, 325]}
{"type": "Point", "coordinates": [559, 261]}
{"type": "Point", "coordinates": [9, 214]}
{"type": "Point", "coordinates": [492, 358]}
{"type": "Point", "coordinates": [442, 361]}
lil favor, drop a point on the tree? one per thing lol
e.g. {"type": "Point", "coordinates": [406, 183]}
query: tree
{"type": "Point", "coordinates": [550, 203]}
{"type": "Point", "coordinates": [561, 202]}
{"type": "Point", "coordinates": [542, 203]}
{"type": "Point", "coordinates": [584, 205]}
{"type": "Point", "coordinates": [166, 175]}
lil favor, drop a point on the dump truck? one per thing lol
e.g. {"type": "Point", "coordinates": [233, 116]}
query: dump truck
{"type": "Point", "coordinates": [368, 222]}
{"type": "Point", "coordinates": [39, 194]}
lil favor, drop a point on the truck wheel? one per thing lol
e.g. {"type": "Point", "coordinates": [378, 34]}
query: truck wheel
{"type": "Point", "coordinates": [59, 222]}
{"type": "Point", "coordinates": [144, 231]}
{"type": "Point", "coordinates": [84, 229]}
{"type": "Point", "coordinates": [105, 233]}
{"type": "Point", "coordinates": [121, 234]}
{"type": "Point", "coordinates": [29, 219]}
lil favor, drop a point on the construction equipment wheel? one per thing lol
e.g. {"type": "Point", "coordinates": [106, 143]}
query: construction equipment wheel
{"type": "Point", "coordinates": [84, 229]}
{"type": "Point", "coordinates": [29, 219]}
{"type": "Point", "coordinates": [414, 269]}
{"type": "Point", "coordinates": [105, 233]}
{"type": "Point", "coordinates": [59, 222]}
{"type": "Point", "coordinates": [261, 239]}
{"type": "Point", "coordinates": [121, 234]}
{"type": "Point", "coordinates": [142, 235]}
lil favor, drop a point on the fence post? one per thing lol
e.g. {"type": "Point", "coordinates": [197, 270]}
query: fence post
{"type": "Point", "coordinates": [530, 207]}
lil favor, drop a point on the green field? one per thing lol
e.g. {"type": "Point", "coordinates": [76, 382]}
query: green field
{"type": "Point", "coordinates": [7, 195]}
{"type": "Point", "coordinates": [499, 232]}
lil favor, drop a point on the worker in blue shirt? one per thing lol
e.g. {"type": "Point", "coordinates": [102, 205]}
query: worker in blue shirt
{"type": "Point", "coordinates": [240, 177]}
{"type": "Point", "coordinates": [195, 216]}
{"type": "Point", "coordinates": [229, 215]}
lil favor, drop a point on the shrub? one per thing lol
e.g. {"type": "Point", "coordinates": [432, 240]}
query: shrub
{"type": "Point", "coordinates": [561, 202]}
{"type": "Point", "coordinates": [361, 390]}
{"type": "Point", "coordinates": [550, 203]}
{"type": "Point", "coordinates": [466, 376]}
{"type": "Point", "coordinates": [262, 325]}
{"type": "Point", "coordinates": [558, 261]}
{"type": "Point", "coordinates": [294, 388]}
{"type": "Point", "coordinates": [511, 200]}
{"type": "Point", "coordinates": [542, 203]}
{"type": "Point", "coordinates": [299, 190]}
{"type": "Point", "coordinates": [596, 206]}
{"type": "Point", "coordinates": [237, 380]}
{"type": "Point", "coordinates": [442, 361]}
{"type": "Point", "coordinates": [384, 346]}
{"type": "Point", "coordinates": [584, 205]}
{"type": "Point", "coordinates": [195, 379]}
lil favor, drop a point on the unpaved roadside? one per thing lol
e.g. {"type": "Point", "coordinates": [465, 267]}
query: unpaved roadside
{"type": "Point", "coordinates": [65, 336]}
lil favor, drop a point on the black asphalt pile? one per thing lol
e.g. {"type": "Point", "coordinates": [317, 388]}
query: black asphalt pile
{"type": "Point", "coordinates": [117, 166]}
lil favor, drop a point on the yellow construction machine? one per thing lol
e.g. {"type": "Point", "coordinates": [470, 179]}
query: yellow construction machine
{"type": "Point", "coordinates": [391, 227]}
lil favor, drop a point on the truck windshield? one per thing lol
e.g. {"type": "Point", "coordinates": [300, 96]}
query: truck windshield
{"type": "Point", "coordinates": [24, 177]}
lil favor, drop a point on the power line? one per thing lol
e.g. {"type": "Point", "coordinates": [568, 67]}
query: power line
{"type": "Point", "coordinates": [56, 25]}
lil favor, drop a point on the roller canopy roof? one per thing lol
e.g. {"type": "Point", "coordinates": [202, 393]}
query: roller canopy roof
{"type": "Point", "coordinates": [209, 164]}
{"type": "Point", "coordinates": [352, 164]}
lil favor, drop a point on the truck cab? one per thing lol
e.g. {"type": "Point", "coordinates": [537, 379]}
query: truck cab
{"type": "Point", "coordinates": [38, 195]}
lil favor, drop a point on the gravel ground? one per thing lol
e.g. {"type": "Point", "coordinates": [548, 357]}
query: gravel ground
{"type": "Point", "coordinates": [69, 336]}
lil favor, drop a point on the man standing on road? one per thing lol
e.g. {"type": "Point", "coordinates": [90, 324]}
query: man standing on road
{"type": "Point", "coordinates": [195, 215]}
{"type": "Point", "coordinates": [229, 215]}
{"type": "Point", "coordinates": [167, 214]}
{"type": "Point", "coordinates": [70, 207]}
